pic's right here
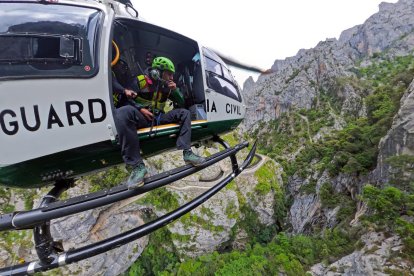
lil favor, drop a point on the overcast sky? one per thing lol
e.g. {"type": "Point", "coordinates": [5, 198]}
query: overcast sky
{"type": "Point", "coordinates": [261, 31]}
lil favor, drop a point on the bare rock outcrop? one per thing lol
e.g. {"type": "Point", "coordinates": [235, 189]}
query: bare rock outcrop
{"type": "Point", "coordinates": [399, 139]}
{"type": "Point", "coordinates": [297, 81]}
{"type": "Point", "coordinates": [377, 257]}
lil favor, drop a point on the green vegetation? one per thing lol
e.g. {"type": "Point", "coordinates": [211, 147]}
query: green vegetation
{"type": "Point", "coordinates": [107, 179]}
{"type": "Point", "coordinates": [283, 254]}
{"type": "Point", "coordinates": [5, 196]}
{"type": "Point", "coordinates": [402, 172]}
{"type": "Point", "coordinates": [391, 210]}
{"type": "Point", "coordinates": [294, 75]}
{"type": "Point", "coordinates": [330, 199]}
{"type": "Point", "coordinates": [354, 149]}
{"type": "Point", "coordinates": [266, 178]}
{"type": "Point", "coordinates": [161, 198]}
{"type": "Point", "coordinates": [290, 140]}
{"type": "Point", "coordinates": [231, 210]}
{"type": "Point", "coordinates": [191, 219]}
{"type": "Point", "coordinates": [285, 135]}
{"type": "Point", "coordinates": [256, 231]}
{"type": "Point", "coordinates": [309, 188]}
{"type": "Point", "coordinates": [160, 255]}
{"type": "Point", "coordinates": [9, 239]}
{"type": "Point", "coordinates": [231, 138]}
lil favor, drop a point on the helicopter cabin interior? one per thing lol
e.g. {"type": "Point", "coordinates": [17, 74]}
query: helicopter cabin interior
{"type": "Point", "coordinates": [140, 42]}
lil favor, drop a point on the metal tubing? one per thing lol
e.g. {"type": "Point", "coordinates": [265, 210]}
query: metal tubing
{"type": "Point", "coordinates": [30, 219]}
{"type": "Point", "coordinates": [233, 158]}
{"type": "Point", "coordinates": [91, 250]}
{"type": "Point", "coordinates": [43, 240]}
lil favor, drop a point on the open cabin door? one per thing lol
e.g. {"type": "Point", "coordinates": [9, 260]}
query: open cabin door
{"type": "Point", "coordinates": [140, 42]}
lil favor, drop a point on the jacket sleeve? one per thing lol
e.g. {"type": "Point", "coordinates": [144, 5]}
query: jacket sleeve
{"type": "Point", "coordinates": [134, 104]}
{"type": "Point", "coordinates": [116, 86]}
{"type": "Point", "coordinates": [177, 97]}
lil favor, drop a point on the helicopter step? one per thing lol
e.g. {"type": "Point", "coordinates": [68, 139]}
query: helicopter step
{"type": "Point", "coordinates": [75, 255]}
{"type": "Point", "coordinates": [57, 209]}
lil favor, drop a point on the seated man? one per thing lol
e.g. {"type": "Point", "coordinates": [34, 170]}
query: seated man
{"type": "Point", "coordinates": [122, 95]}
{"type": "Point", "coordinates": [153, 92]}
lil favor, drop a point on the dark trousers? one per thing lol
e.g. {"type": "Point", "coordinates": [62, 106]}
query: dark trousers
{"type": "Point", "coordinates": [128, 119]}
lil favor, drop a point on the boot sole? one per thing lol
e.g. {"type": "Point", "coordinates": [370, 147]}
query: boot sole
{"type": "Point", "coordinates": [138, 184]}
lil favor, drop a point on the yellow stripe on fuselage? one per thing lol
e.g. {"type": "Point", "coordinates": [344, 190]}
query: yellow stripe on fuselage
{"type": "Point", "coordinates": [167, 126]}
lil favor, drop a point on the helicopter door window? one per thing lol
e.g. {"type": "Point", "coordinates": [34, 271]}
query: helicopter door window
{"type": "Point", "coordinates": [227, 75]}
{"type": "Point", "coordinates": [43, 49]}
{"type": "Point", "coordinates": [66, 47]}
{"type": "Point", "coordinates": [213, 66]}
{"type": "Point", "coordinates": [220, 80]}
{"type": "Point", "coordinates": [39, 40]}
{"type": "Point", "coordinates": [222, 86]}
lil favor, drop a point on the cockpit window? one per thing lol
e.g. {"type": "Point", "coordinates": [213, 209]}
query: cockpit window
{"type": "Point", "coordinates": [39, 40]}
{"type": "Point", "coordinates": [213, 66]}
{"type": "Point", "coordinates": [227, 74]}
{"type": "Point", "coordinates": [219, 77]}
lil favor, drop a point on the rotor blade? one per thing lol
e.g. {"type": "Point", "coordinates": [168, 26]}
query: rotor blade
{"type": "Point", "coordinates": [233, 62]}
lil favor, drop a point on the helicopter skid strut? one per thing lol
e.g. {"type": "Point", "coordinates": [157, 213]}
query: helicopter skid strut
{"type": "Point", "coordinates": [49, 257]}
{"type": "Point", "coordinates": [46, 247]}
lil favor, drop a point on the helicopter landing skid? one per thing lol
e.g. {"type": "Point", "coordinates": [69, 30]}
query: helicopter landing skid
{"type": "Point", "coordinates": [46, 247]}
{"type": "Point", "coordinates": [54, 260]}
{"type": "Point", "coordinates": [62, 208]}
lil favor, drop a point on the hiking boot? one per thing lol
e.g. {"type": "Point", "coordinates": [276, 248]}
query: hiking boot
{"type": "Point", "coordinates": [136, 178]}
{"type": "Point", "coordinates": [192, 158]}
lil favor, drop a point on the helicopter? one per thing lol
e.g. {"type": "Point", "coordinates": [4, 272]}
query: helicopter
{"type": "Point", "coordinates": [58, 59]}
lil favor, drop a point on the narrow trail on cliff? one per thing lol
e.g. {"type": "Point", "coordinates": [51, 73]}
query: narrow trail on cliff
{"type": "Point", "coordinates": [246, 171]}
{"type": "Point", "coordinates": [103, 216]}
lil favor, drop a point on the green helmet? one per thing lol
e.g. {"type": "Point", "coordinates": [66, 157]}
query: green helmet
{"type": "Point", "coordinates": [163, 63]}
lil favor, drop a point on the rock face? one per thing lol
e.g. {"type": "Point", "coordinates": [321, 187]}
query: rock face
{"type": "Point", "coordinates": [399, 139]}
{"type": "Point", "coordinates": [303, 210]}
{"type": "Point", "coordinates": [214, 228]}
{"type": "Point", "coordinates": [372, 259]}
{"type": "Point", "coordinates": [298, 81]}
{"type": "Point", "coordinates": [210, 226]}
{"type": "Point", "coordinates": [95, 225]}
{"type": "Point", "coordinates": [204, 230]}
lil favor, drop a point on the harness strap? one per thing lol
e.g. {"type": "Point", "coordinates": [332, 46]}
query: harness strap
{"type": "Point", "coordinates": [157, 118]}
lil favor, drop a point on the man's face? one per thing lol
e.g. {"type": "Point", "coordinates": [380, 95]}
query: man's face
{"type": "Point", "coordinates": [167, 75]}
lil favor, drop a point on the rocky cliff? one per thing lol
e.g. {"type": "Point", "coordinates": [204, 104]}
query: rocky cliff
{"type": "Point", "coordinates": [399, 139]}
{"type": "Point", "coordinates": [331, 77]}
{"type": "Point", "coordinates": [297, 81]}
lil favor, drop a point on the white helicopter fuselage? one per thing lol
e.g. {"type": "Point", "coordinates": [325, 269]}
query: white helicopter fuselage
{"type": "Point", "coordinates": [44, 114]}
